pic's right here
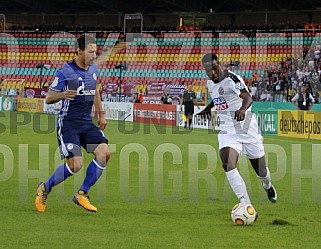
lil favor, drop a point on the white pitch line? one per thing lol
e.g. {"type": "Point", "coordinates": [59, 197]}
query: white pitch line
{"type": "Point", "coordinates": [290, 141]}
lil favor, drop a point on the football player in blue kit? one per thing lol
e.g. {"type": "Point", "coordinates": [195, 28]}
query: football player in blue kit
{"type": "Point", "coordinates": [75, 85]}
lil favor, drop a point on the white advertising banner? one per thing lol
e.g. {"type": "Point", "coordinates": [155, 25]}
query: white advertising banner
{"type": "Point", "coordinates": [198, 122]}
{"type": "Point", "coordinates": [118, 111]}
{"type": "Point", "coordinates": [52, 108]}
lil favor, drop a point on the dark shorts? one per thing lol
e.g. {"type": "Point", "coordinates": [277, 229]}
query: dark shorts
{"type": "Point", "coordinates": [72, 138]}
{"type": "Point", "coordinates": [189, 108]}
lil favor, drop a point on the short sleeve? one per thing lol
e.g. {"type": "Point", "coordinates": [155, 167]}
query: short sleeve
{"type": "Point", "coordinates": [210, 85]}
{"type": "Point", "coordinates": [96, 71]}
{"type": "Point", "coordinates": [59, 82]}
{"type": "Point", "coordinates": [237, 84]}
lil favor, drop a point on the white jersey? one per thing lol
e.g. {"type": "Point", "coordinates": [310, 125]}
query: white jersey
{"type": "Point", "coordinates": [226, 99]}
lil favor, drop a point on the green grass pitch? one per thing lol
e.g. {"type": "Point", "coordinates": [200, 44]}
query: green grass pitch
{"type": "Point", "coordinates": [163, 188]}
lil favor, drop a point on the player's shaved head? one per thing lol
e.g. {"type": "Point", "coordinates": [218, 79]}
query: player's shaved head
{"type": "Point", "coordinates": [209, 58]}
{"type": "Point", "coordinates": [212, 67]}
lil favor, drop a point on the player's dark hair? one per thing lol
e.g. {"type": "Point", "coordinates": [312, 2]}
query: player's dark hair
{"type": "Point", "coordinates": [83, 41]}
{"type": "Point", "coordinates": [209, 58]}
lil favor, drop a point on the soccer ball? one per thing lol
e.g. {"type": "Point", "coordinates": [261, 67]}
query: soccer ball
{"type": "Point", "coordinates": [243, 214]}
{"type": "Point", "coordinates": [169, 100]}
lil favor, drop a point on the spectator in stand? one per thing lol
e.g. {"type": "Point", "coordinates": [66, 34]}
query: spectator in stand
{"type": "Point", "coordinates": [139, 98]}
{"type": "Point", "coordinates": [308, 86]}
{"type": "Point", "coordinates": [277, 89]}
{"type": "Point", "coordinates": [316, 94]}
{"type": "Point", "coordinates": [303, 100]}
{"type": "Point", "coordinates": [166, 98]}
{"type": "Point", "coordinates": [254, 91]}
{"type": "Point", "coordinates": [263, 96]}
{"type": "Point", "coordinates": [311, 64]}
{"type": "Point", "coordinates": [290, 93]}
{"type": "Point", "coordinates": [282, 64]}
{"type": "Point", "coordinates": [317, 54]}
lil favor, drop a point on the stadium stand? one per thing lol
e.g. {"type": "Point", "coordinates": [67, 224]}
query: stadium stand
{"type": "Point", "coordinates": [173, 58]}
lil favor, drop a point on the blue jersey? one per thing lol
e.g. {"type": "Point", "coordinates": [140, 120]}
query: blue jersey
{"type": "Point", "coordinates": [72, 77]}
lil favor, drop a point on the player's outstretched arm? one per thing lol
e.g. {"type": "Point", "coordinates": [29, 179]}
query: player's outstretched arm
{"type": "Point", "coordinates": [53, 96]}
{"type": "Point", "coordinates": [206, 112]}
{"type": "Point", "coordinates": [246, 103]}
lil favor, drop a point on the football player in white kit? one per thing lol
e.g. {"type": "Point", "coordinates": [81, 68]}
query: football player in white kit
{"type": "Point", "coordinates": [238, 127]}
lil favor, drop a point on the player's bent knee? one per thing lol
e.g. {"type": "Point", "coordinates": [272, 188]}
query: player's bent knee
{"type": "Point", "coordinates": [229, 157]}
{"type": "Point", "coordinates": [228, 167]}
{"type": "Point", "coordinates": [102, 153]}
{"type": "Point", "coordinates": [108, 153]}
{"type": "Point", "coordinates": [75, 164]}
{"type": "Point", "coordinates": [104, 156]}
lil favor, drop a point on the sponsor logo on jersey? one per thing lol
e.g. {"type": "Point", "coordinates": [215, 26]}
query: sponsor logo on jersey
{"type": "Point", "coordinates": [220, 104]}
{"type": "Point", "coordinates": [81, 90]}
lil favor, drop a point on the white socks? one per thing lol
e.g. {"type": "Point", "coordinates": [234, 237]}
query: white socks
{"type": "Point", "coordinates": [238, 185]}
{"type": "Point", "coordinates": [266, 181]}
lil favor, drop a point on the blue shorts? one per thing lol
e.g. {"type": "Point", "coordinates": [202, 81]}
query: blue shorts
{"type": "Point", "coordinates": [72, 137]}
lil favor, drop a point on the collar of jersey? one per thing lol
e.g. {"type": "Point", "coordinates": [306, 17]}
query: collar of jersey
{"type": "Point", "coordinates": [76, 65]}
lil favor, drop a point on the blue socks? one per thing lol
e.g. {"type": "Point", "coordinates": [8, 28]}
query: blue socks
{"type": "Point", "coordinates": [94, 171]}
{"type": "Point", "coordinates": [61, 174]}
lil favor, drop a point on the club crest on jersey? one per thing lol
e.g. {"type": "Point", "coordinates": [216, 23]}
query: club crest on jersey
{"type": "Point", "coordinates": [239, 86]}
{"type": "Point", "coordinates": [70, 146]}
{"type": "Point", "coordinates": [221, 91]}
{"type": "Point", "coordinates": [55, 82]}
